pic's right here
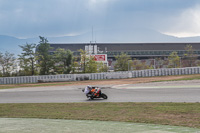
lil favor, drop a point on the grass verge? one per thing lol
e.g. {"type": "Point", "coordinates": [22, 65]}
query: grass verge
{"type": "Point", "coordinates": [176, 114]}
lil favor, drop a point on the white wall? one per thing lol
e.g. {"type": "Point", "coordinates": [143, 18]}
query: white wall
{"type": "Point", "coordinates": [97, 76]}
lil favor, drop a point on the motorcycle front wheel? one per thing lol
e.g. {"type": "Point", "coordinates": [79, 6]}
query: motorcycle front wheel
{"type": "Point", "coordinates": [104, 96]}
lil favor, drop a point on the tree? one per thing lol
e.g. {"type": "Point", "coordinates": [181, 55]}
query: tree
{"type": "Point", "coordinates": [88, 63]}
{"type": "Point", "coordinates": [28, 58]}
{"type": "Point", "coordinates": [64, 60]}
{"type": "Point", "coordinates": [7, 63]}
{"type": "Point", "coordinates": [102, 67]}
{"type": "Point", "coordinates": [1, 64]}
{"type": "Point", "coordinates": [45, 60]}
{"type": "Point", "coordinates": [75, 65]}
{"type": "Point", "coordinates": [141, 65]}
{"type": "Point", "coordinates": [84, 59]}
{"type": "Point", "coordinates": [122, 62]}
{"type": "Point", "coordinates": [174, 60]}
{"type": "Point", "coordinates": [189, 57]}
{"type": "Point", "coordinates": [91, 65]}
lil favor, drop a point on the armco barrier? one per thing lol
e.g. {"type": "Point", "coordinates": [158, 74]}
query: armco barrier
{"type": "Point", "coordinates": [97, 76]}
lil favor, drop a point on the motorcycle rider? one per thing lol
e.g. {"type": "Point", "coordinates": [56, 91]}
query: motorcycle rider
{"type": "Point", "coordinates": [87, 90]}
{"type": "Point", "coordinates": [94, 92]}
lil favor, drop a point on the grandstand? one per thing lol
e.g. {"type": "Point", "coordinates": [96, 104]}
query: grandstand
{"type": "Point", "coordinates": [134, 50]}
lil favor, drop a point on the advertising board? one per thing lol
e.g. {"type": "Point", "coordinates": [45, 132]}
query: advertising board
{"type": "Point", "coordinates": [100, 57]}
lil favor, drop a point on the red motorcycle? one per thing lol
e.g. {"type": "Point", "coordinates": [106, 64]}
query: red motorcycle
{"type": "Point", "coordinates": [95, 92]}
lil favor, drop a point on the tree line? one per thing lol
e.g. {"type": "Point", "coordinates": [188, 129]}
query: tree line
{"type": "Point", "coordinates": [189, 59]}
{"type": "Point", "coordinates": [41, 62]}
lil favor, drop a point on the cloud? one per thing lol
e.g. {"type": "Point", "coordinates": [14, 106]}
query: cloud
{"type": "Point", "coordinates": [186, 24]}
{"type": "Point", "coordinates": [31, 18]}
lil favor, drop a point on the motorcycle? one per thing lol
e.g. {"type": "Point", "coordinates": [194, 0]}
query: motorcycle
{"type": "Point", "coordinates": [95, 92]}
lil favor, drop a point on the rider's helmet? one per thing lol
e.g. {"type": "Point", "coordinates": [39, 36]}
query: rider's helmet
{"type": "Point", "coordinates": [90, 87]}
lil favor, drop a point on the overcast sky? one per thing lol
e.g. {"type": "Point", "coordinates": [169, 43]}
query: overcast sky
{"type": "Point", "coordinates": [56, 18]}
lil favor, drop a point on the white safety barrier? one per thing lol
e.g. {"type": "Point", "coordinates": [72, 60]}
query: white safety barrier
{"type": "Point", "coordinates": [98, 76]}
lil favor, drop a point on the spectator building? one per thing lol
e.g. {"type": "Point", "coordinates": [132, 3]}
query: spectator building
{"type": "Point", "coordinates": [134, 50]}
{"type": "Point", "coordinates": [139, 51]}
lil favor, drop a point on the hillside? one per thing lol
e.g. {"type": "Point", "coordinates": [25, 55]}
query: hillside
{"type": "Point", "coordinates": [11, 44]}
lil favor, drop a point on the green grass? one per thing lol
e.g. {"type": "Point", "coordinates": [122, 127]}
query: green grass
{"type": "Point", "coordinates": [176, 114]}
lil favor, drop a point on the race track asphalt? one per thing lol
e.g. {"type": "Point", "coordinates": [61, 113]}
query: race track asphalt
{"type": "Point", "coordinates": [179, 91]}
